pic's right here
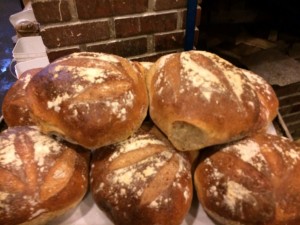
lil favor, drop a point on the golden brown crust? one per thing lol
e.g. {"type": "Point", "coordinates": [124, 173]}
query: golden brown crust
{"type": "Point", "coordinates": [142, 181]}
{"type": "Point", "coordinates": [40, 178]}
{"type": "Point", "coordinates": [251, 181]}
{"type": "Point", "coordinates": [267, 96]}
{"type": "Point", "coordinates": [93, 99]}
{"type": "Point", "coordinates": [14, 108]}
{"type": "Point", "coordinates": [198, 99]}
{"type": "Point", "coordinates": [191, 155]}
{"type": "Point", "coordinates": [147, 65]}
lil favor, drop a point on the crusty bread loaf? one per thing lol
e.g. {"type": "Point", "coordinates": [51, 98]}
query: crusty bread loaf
{"type": "Point", "coordinates": [251, 181]}
{"type": "Point", "coordinates": [142, 67]}
{"type": "Point", "coordinates": [199, 99]}
{"type": "Point", "coordinates": [142, 180]}
{"type": "Point", "coordinates": [147, 65]}
{"type": "Point", "coordinates": [93, 99]}
{"type": "Point", "coordinates": [267, 96]}
{"type": "Point", "coordinates": [192, 156]}
{"type": "Point", "coordinates": [40, 178]}
{"type": "Point", "coordinates": [14, 108]}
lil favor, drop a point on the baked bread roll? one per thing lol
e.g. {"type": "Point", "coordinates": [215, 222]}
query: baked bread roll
{"type": "Point", "coordinates": [14, 108]}
{"type": "Point", "coordinates": [141, 180]}
{"type": "Point", "coordinates": [40, 178]}
{"type": "Point", "coordinates": [147, 65]}
{"type": "Point", "coordinates": [251, 181]}
{"type": "Point", "coordinates": [198, 99]}
{"type": "Point", "coordinates": [92, 99]}
{"type": "Point", "coordinates": [142, 67]}
{"type": "Point", "coordinates": [267, 96]}
{"type": "Point", "coordinates": [192, 156]}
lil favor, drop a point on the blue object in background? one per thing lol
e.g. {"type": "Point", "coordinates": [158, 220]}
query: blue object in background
{"type": "Point", "coordinates": [7, 8]}
{"type": "Point", "coordinates": [190, 24]}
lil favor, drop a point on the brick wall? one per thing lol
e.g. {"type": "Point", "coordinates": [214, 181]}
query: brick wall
{"type": "Point", "coordinates": [136, 29]}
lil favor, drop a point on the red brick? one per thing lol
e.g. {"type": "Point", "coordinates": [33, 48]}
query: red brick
{"type": "Point", "coordinates": [123, 7]}
{"type": "Point", "coordinates": [172, 41]}
{"type": "Point", "coordinates": [126, 27]}
{"type": "Point", "coordinates": [125, 48]}
{"type": "Point", "coordinates": [131, 26]}
{"type": "Point", "coordinates": [198, 17]}
{"type": "Point", "coordinates": [89, 9]}
{"type": "Point", "coordinates": [51, 11]}
{"type": "Point", "coordinates": [158, 23]}
{"type": "Point", "coordinates": [169, 4]}
{"type": "Point", "coordinates": [196, 37]}
{"type": "Point", "coordinates": [55, 54]}
{"type": "Point", "coordinates": [75, 34]}
{"type": "Point", "coordinates": [169, 41]}
{"type": "Point", "coordinates": [92, 9]}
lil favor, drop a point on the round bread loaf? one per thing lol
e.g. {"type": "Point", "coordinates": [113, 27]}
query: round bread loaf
{"type": "Point", "coordinates": [14, 108]}
{"type": "Point", "coordinates": [147, 65]}
{"type": "Point", "coordinates": [267, 96]}
{"type": "Point", "coordinates": [252, 181]}
{"type": "Point", "coordinates": [198, 99]}
{"type": "Point", "coordinates": [92, 99]}
{"type": "Point", "coordinates": [40, 178]}
{"type": "Point", "coordinates": [192, 156]}
{"type": "Point", "coordinates": [142, 180]}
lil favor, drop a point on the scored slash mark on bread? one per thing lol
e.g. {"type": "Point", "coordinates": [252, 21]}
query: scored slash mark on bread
{"type": "Point", "coordinates": [141, 180]}
{"type": "Point", "coordinates": [40, 178]}
{"type": "Point", "coordinates": [199, 99]}
{"type": "Point", "coordinates": [90, 99]}
{"type": "Point", "coordinates": [15, 108]}
{"type": "Point", "coordinates": [251, 181]}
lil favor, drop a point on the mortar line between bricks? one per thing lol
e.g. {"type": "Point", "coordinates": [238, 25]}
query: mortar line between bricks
{"type": "Point", "coordinates": [64, 47]}
{"type": "Point", "coordinates": [112, 40]}
{"type": "Point", "coordinates": [112, 28]}
{"type": "Point", "coordinates": [152, 13]}
{"type": "Point", "coordinates": [155, 53]}
{"type": "Point", "coordinates": [116, 40]}
{"type": "Point", "coordinates": [138, 15]}
{"type": "Point", "coordinates": [150, 43]}
{"type": "Point", "coordinates": [70, 23]}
